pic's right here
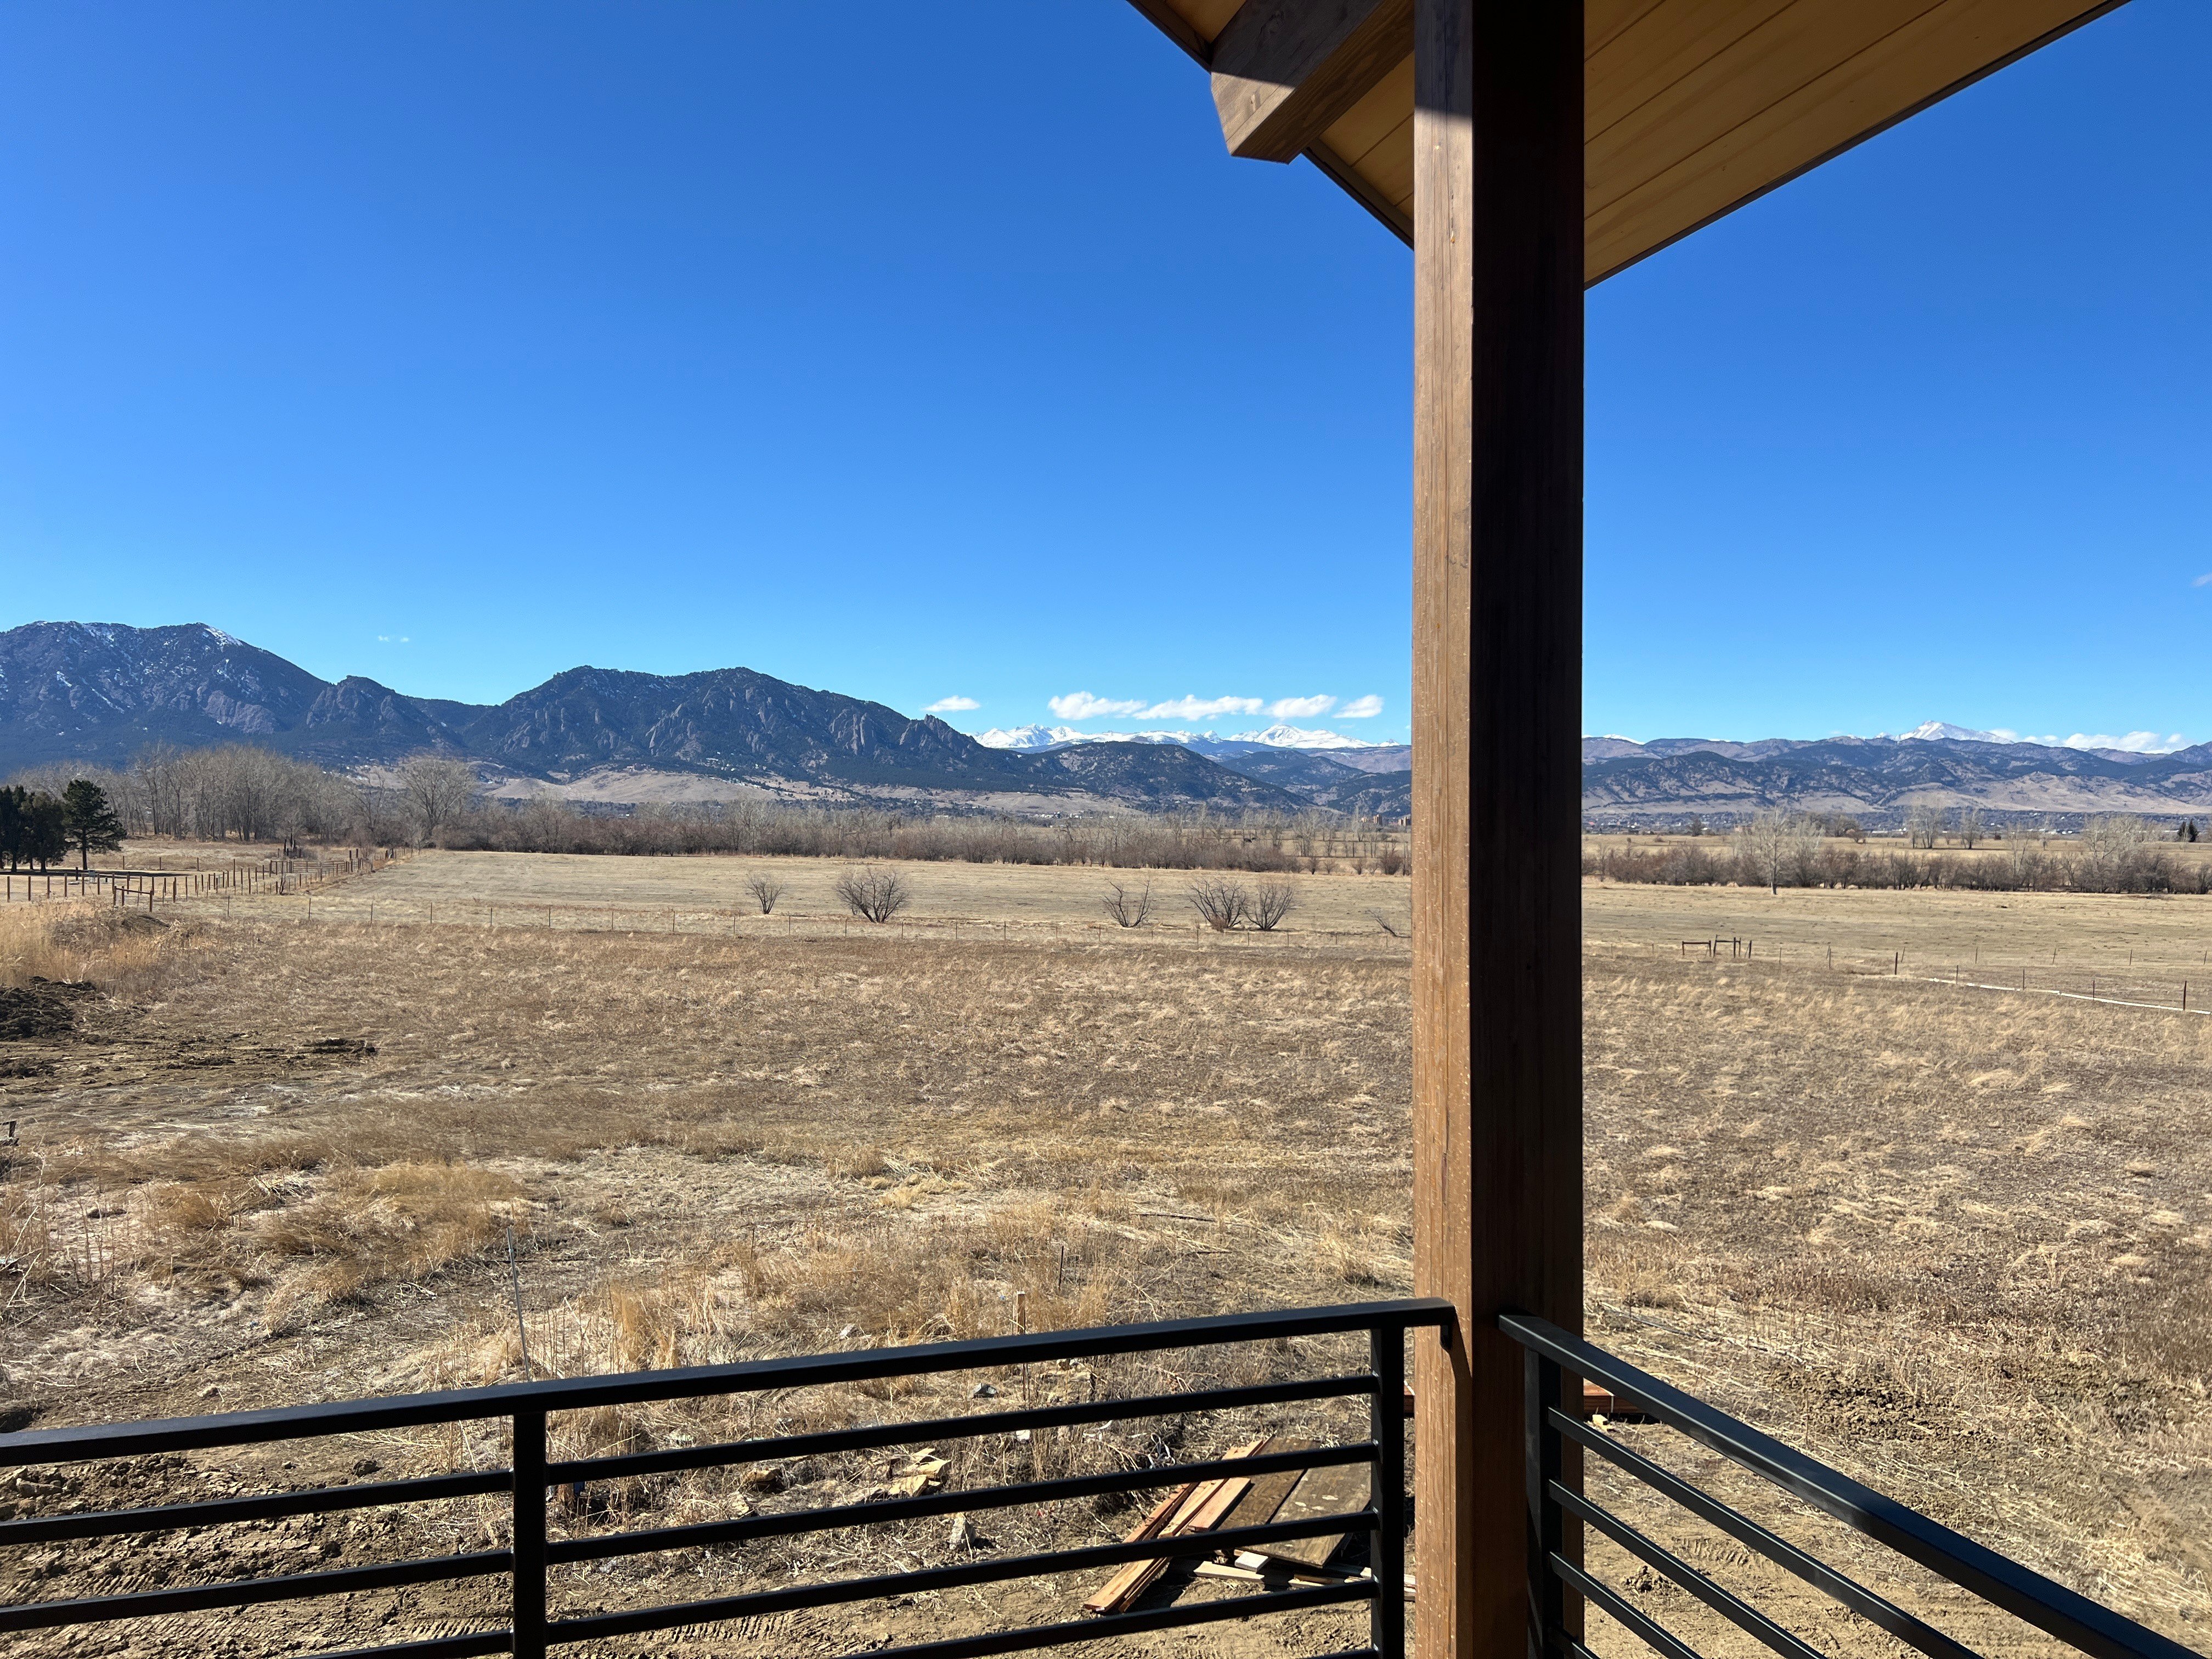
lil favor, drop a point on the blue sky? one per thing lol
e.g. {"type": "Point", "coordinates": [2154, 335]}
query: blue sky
{"type": "Point", "coordinates": [458, 345]}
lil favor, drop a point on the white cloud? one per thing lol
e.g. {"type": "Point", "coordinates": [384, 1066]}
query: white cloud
{"type": "Point", "coordinates": [1296, 708]}
{"type": "Point", "coordinates": [951, 706]}
{"type": "Point", "coordinates": [2135, 743]}
{"type": "Point", "coordinates": [393, 638]}
{"type": "Point", "coordinates": [2204, 581]}
{"type": "Point", "coordinates": [1082, 706]}
{"type": "Point", "coordinates": [1361, 709]}
{"type": "Point", "coordinates": [1196, 708]}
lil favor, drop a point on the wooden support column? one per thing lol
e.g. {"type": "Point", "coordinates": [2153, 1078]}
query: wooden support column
{"type": "Point", "coordinates": [1497, 467]}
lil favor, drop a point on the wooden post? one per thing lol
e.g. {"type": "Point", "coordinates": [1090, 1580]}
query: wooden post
{"type": "Point", "coordinates": [1497, 465]}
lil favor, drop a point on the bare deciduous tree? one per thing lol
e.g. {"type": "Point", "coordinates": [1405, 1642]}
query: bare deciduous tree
{"type": "Point", "coordinates": [1923, 825]}
{"type": "Point", "coordinates": [872, 894]}
{"type": "Point", "coordinates": [1128, 907]}
{"type": "Point", "coordinates": [766, 890]}
{"type": "Point", "coordinates": [1777, 845]}
{"type": "Point", "coordinates": [2113, 851]}
{"type": "Point", "coordinates": [1218, 901]}
{"type": "Point", "coordinates": [437, 792]}
{"type": "Point", "coordinates": [1970, 829]}
{"type": "Point", "coordinates": [1270, 903]}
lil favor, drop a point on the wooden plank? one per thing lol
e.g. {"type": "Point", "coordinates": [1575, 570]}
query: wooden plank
{"type": "Point", "coordinates": [1285, 69]}
{"type": "Point", "coordinates": [1340, 1490]}
{"type": "Point", "coordinates": [1497, 474]}
{"type": "Point", "coordinates": [1129, 1580]}
{"type": "Point", "coordinates": [1265, 1495]}
{"type": "Point", "coordinates": [1194, 1503]}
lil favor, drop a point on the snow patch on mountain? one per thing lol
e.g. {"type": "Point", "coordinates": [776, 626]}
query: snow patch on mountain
{"type": "Point", "coordinates": [1036, 739]}
{"type": "Point", "coordinates": [1934, 731]}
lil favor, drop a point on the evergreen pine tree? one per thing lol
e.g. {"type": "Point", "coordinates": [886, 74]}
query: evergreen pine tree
{"type": "Point", "coordinates": [89, 821]}
{"type": "Point", "coordinates": [46, 830]}
{"type": "Point", "coordinates": [12, 802]}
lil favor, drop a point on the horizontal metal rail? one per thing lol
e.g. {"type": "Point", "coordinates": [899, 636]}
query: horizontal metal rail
{"type": "Point", "coordinates": [1780, 1551]}
{"type": "Point", "coordinates": [884, 1510]}
{"type": "Point", "coordinates": [2084, 1625]}
{"type": "Point", "coordinates": [731, 1453]}
{"type": "Point", "coordinates": [269, 1506]}
{"type": "Point", "coordinates": [698, 1382]}
{"type": "Point", "coordinates": [533, 1477]}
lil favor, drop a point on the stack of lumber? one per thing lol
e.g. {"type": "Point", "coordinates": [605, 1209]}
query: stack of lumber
{"type": "Point", "coordinates": [1195, 1507]}
{"type": "Point", "coordinates": [1210, 1505]}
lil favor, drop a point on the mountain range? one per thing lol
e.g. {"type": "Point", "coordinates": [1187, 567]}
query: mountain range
{"type": "Point", "coordinates": [100, 693]}
{"type": "Point", "coordinates": [1345, 751]}
{"type": "Point", "coordinates": [1658, 784]}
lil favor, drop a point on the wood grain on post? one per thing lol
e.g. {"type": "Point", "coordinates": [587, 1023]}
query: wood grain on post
{"type": "Point", "coordinates": [1498, 454]}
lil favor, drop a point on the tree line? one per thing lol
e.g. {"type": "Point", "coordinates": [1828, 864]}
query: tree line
{"type": "Point", "coordinates": [40, 829]}
{"type": "Point", "coordinates": [243, 793]}
{"type": "Point", "coordinates": [2115, 853]}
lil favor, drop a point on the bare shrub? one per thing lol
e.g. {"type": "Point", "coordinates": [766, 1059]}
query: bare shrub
{"type": "Point", "coordinates": [874, 894]}
{"type": "Point", "coordinates": [1129, 908]}
{"type": "Point", "coordinates": [1218, 901]}
{"type": "Point", "coordinates": [1271, 901]}
{"type": "Point", "coordinates": [766, 890]}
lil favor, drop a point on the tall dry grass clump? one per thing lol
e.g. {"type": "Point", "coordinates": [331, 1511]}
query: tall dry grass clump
{"type": "Point", "coordinates": [80, 943]}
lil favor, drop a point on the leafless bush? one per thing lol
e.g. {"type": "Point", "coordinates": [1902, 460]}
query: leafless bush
{"type": "Point", "coordinates": [1385, 924]}
{"type": "Point", "coordinates": [766, 890]}
{"type": "Point", "coordinates": [1218, 901]}
{"type": "Point", "coordinates": [872, 894]}
{"type": "Point", "coordinates": [1270, 901]}
{"type": "Point", "coordinates": [1128, 907]}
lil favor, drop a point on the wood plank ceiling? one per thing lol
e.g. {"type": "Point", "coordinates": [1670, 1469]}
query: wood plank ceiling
{"type": "Point", "coordinates": [1693, 107]}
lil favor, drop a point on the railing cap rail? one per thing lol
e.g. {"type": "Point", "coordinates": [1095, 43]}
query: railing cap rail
{"type": "Point", "coordinates": [578, 1393]}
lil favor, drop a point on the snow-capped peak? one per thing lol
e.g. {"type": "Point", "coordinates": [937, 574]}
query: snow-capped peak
{"type": "Point", "coordinates": [1929, 731]}
{"type": "Point", "coordinates": [1028, 737]}
{"type": "Point", "coordinates": [1036, 739]}
{"type": "Point", "coordinates": [1299, 737]}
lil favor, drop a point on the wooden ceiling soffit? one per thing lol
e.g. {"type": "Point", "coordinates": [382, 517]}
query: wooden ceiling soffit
{"type": "Point", "coordinates": [1693, 107]}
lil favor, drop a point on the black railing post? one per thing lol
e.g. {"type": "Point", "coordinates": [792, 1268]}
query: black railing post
{"type": "Point", "coordinates": [1540, 1390]}
{"type": "Point", "coordinates": [1387, 1557]}
{"type": "Point", "coordinates": [528, 1534]}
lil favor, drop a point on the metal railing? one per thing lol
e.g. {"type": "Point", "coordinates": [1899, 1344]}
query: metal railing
{"type": "Point", "coordinates": [533, 1628]}
{"type": "Point", "coordinates": [1554, 1572]}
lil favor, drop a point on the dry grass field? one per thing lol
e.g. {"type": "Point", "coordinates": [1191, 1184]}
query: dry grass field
{"type": "Point", "coordinates": [1952, 1239]}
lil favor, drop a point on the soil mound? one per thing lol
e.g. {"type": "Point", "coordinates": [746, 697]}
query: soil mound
{"type": "Point", "coordinates": [44, 1008]}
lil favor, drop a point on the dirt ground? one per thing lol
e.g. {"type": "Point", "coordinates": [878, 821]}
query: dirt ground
{"type": "Point", "coordinates": [1952, 1239]}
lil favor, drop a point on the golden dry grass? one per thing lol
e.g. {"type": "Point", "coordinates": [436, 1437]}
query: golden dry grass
{"type": "Point", "coordinates": [76, 940]}
{"type": "Point", "coordinates": [1953, 1240]}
